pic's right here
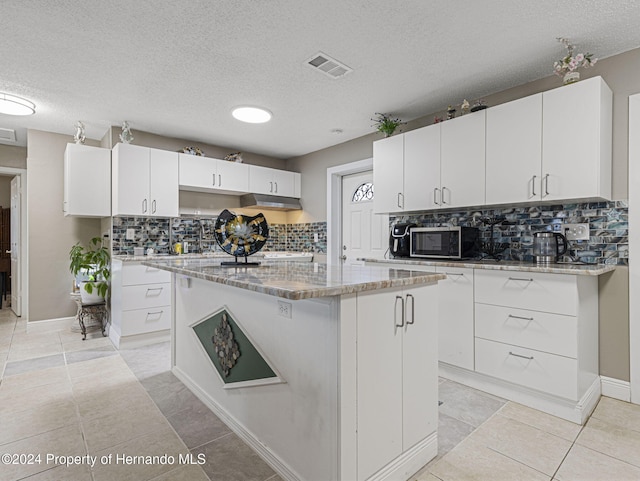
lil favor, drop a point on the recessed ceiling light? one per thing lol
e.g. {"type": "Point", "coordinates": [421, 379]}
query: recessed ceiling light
{"type": "Point", "coordinates": [12, 105]}
{"type": "Point", "coordinates": [252, 115]}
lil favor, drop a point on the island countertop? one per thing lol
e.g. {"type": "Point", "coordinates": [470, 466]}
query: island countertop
{"type": "Point", "coordinates": [298, 280]}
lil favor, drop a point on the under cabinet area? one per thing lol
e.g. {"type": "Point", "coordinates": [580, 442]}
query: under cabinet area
{"type": "Point", "coordinates": [87, 181]}
{"type": "Point", "coordinates": [141, 306]}
{"type": "Point", "coordinates": [144, 182]}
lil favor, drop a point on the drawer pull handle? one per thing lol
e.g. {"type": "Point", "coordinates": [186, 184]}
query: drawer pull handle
{"type": "Point", "coordinates": [159, 289]}
{"type": "Point", "coordinates": [520, 279]}
{"type": "Point", "coordinates": [530, 358]}
{"type": "Point", "coordinates": [157, 313]}
{"type": "Point", "coordinates": [511, 316]}
{"type": "Point", "coordinates": [453, 274]}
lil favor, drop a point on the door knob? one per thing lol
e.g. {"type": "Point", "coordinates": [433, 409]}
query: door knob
{"type": "Point", "coordinates": [343, 257]}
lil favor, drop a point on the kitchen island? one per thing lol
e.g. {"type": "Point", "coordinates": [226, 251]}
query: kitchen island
{"type": "Point", "coordinates": [295, 356]}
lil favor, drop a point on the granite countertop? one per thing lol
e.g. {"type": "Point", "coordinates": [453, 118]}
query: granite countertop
{"type": "Point", "coordinates": [297, 280]}
{"type": "Point", "coordinates": [575, 269]}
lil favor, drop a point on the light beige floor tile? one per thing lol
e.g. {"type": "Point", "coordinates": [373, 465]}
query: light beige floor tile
{"type": "Point", "coordinates": [76, 472]}
{"type": "Point", "coordinates": [99, 367]}
{"type": "Point", "coordinates": [543, 421]}
{"type": "Point", "coordinates": [583, 464]}
{"type": "Point", "coordinates": [618, 412]}
{"type": "Point", "coordinates": [47, 326]}
{"type": "Point", "coordinates": [99, 403]}
{"type": "Point", "coordinates": [13, 401]}
{"type": "Point", "coordinates": [101, 382]}
{"type": "Point", "coordinates": [35, 339]}
{"type": "Point", "coordinates": [612, 440]}
{"type": "Point", "coordinates": [37, 378]}
{"type": "Point", "coordinates": [36, 420]}
{"type": "Point", "coordinates": [425, 477]}
{"type": "Point", "coordinates": [155, 444]}
{"type": "Point", "coordinates": [66, 441]}
{"type": "Point", "coordinates": [31, 353]}
{"type": "Point", "coordinates": [530, 446]}
{"type": "Point", "coordinates": [471, 461]}
{"type": "Point", "coordinates": [107, 431]}
{"type": "Point", "coordinates": [79, 345]}
{"type": "Point", "coordinates": [184, 473]}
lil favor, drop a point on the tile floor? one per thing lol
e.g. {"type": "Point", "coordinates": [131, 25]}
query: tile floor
{"type": "Point", "coordinates": [61, 396]}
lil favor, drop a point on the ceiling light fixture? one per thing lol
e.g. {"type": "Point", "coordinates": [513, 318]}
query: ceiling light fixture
{"type": "Point", "coordinates": [12, 105]}
{"type": "Point", "coordinates": [252, 115]}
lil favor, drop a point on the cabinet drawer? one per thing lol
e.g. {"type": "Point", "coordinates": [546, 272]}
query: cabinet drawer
{"type": "Point", "coordinates": [141, 297]}
{"type": "Point", "coordinates": [545, 372]}
{"type": "Point", "coordinates": [142, 321]}
{"type": "Point", "coordinates": [136, 274]}
{"type": "Point", "coordinates": [556, 293]}
{"type": "Point", "coordinates": [553, 333]}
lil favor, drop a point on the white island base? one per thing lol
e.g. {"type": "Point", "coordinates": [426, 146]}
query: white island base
{"type": "Point", "coordinates": [366, 359]}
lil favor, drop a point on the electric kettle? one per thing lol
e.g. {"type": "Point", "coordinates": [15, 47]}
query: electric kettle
{"type": "Point", "coordinates": [547, 248]}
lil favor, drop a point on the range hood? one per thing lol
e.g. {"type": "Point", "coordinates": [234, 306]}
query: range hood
{"type": "Point", "coordinates": [266, 201]}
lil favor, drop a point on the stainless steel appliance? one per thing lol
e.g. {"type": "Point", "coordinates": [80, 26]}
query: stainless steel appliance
{"type": "Point", "coordinates": [399, 240]}
{"type": "Point", "coordinates": [547, 247]}
{"type": "Point", "coordinates": [445, 242]}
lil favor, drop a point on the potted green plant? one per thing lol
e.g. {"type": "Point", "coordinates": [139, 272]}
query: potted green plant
{"type": "Point", "coordinates": [92, 268]}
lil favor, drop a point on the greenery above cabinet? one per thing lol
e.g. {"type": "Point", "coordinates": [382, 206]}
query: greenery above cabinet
{"type": "Point", "coordinates": [554, 146]}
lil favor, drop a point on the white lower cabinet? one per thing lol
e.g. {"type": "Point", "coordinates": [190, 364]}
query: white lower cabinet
{"type": "Point", "coordinates": [140, 304]}
{"type": "Point", "coordinates": [397, 342]}
{"type": "Point", "coordinates": [455, 319]}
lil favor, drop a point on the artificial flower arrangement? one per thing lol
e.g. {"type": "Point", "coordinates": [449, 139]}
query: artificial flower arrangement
{"type": "Point", "coordinates": [386, 124]}
{"type": "Point", "coordinates": [570, 63]}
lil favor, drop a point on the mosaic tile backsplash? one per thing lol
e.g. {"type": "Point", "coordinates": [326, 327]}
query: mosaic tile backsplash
{"type": "Point", "coordinates": [162, 233]}
{"type": "Point", "coordinates": [608, 228]}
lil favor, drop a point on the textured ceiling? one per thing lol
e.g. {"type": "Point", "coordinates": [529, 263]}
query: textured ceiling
{"type": "Point", "coordinates": [178, 68]}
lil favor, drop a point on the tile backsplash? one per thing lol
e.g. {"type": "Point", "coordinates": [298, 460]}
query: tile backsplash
{"type": "Point", "coordinates": [161, 233]}
{"type": "Point", "coordinates": [608, 228]}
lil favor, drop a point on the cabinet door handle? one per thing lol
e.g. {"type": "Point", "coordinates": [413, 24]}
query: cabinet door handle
{"type": "Point", "coordinates": [442, 201]}
{"type": "Point", "coordinates": [529, 358]}
{"type": "Point", "coordinates": [144, 206]}
{"type": "Point", "coordinates": [511, 316]}
{"type": "Point", "coordinates": [400, 196]}
{"type": "Point", "coordinates": [546, 185]}
{"type": "Point", "coordinates": [395, 312]}
{"type": "Point", "coordinates": [219, 180]}
{"type": "Point", "coordinates": [214, 179]}
{"type": "Point", "coordinates": [153, 206]}
{"type": "Point", "coordinates": [533, 186]}
{"type": "Point", "coordinates": [413, 308]}
{"type": "Point", "coordinates": [520, 279]}
{"type": "Point", "coordinates": [435, 200]}
{"type": "Point", "coordinates": [271, 187]}
{"type": "Point", "coordinates": [276, 184]}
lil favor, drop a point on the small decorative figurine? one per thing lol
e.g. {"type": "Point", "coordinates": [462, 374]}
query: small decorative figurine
{"type": "Point", "coordinates": [478, 105]}
{"type": "Point", "coordinates": [437, 120]}
{"type": "Point", "coordinates": [126, 137]}
{"type": "Point", "coordinates": [451, 112]}
{"type": "Point", "coordinates": [464, 108]}
{"type": "Point", "coordinates": [79, 136]}
{"type": "Point", "coordinates": [234, 157]}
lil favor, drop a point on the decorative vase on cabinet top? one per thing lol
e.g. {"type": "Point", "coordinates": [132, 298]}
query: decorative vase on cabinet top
{"type": "Point", "coordinates": [571, 77]}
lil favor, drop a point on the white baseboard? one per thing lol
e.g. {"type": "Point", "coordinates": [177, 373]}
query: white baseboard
{"type": "Point", "coordinates": [279, 466]}
{"type": "Point", "coordinates": [409, 462]}
{"type": "Point", "coordinates": [137, 340]}
{"type": "Point", "coordinates": [616, 388]}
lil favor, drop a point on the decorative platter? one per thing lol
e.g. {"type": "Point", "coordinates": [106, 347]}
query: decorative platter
{"type": "Point", "coordinates": [241, 235]}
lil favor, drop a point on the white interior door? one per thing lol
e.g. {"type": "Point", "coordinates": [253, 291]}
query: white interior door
{"type": "Point", "coordinates": [364, 234]}
{"type": "Point", "coordinates": [16, 284]}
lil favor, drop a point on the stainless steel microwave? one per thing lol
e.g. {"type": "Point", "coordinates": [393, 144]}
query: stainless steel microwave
{"type": "Point", "coordinates": [444, 242]}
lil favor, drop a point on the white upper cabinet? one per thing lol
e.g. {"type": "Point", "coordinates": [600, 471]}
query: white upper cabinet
{"type": "Point", "coordinates": [576, 141]}
{"type": "Point", "coordinates": [406, 171]}
{"type": "Point", "coordinates": [263, 180]}
{"type": "Point", "coordinates": [514, 151]}
{"type": "Point", "coordinates": [205, 174]}
{"type": "Point", "coordinates": [388, 174]}
{"type": "Point", "coordinates": [462, 160]}
{"type": "Point", "coordinates": [87, 181]}
{"type": "Point", "coordinates": [421, 168]}
{"type": "Point", "coordinates": [144, 181]}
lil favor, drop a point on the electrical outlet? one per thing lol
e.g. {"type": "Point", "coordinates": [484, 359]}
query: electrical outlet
{"type": "Point", "coordinates": [576, 232]}
{"type": "Point", "coordinates": [131, 234]}
{"type": "Point", "coordinates": [284, 309]}
{"type": "Point", "coordinates": [315, 237]}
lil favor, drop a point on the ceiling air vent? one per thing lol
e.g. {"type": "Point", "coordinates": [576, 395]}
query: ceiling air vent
{"type": "Point", "coordinates": [7, 135]}
{"type": "Point", "coordinates": [328, 66]}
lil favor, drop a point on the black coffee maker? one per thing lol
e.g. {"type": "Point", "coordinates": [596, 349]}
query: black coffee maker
{"type": "Point", "coordinates": [399, 240]}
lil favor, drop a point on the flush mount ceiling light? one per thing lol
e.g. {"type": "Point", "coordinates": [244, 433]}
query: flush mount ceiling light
{"type": "Point", "coordinates": [252, 115]}
{"type": "Point", "coordinates": [12, 105]}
